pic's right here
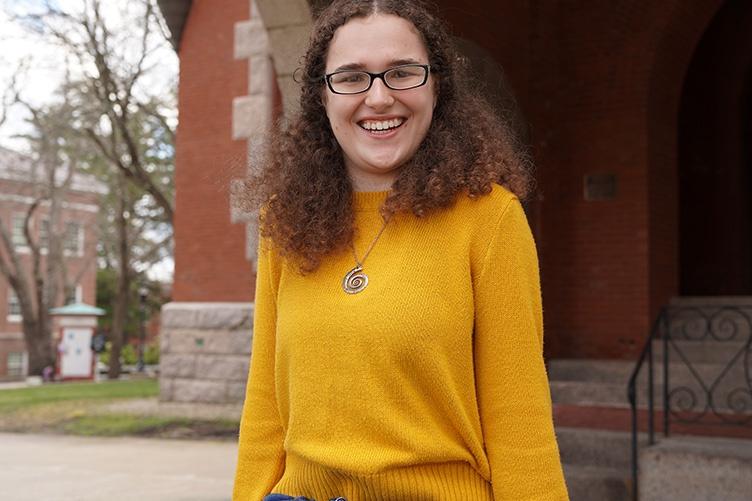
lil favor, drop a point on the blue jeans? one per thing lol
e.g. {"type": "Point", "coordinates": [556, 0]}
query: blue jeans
{"type": "Point", "coordinates": [284, 497]}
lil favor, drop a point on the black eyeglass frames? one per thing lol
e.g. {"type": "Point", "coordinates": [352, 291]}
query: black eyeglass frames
{"type": "Point", "coordinates": [402, 77]}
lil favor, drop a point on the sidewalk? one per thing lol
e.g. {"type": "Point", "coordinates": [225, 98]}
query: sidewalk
{"type": "Point", "coordinates": [67, 468]}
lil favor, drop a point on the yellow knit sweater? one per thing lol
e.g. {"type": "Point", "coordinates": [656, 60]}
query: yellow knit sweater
{"type": "Point", "coordinates": [429, 385]}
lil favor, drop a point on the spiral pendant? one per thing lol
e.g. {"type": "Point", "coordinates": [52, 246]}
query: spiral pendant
{"type": "Point", "coordinates": [355, 280]}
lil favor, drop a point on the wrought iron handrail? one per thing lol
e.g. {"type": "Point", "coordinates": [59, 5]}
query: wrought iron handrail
{"type": "Point", "coordinates": [695, 400]}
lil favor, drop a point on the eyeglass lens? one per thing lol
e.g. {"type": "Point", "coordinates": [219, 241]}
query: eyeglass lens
{"type": "Point", "coordinates": [400, 78]}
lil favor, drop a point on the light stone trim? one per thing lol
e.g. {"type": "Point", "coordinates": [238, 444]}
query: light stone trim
{"type": "Point", "coordinates": [251, 116]}
{"type": "Point", "coordinates": [250, 39]}
{"type": "Point", "coordinates": [289, 24]}
{"type": "Point", "coordinates": [288, 44]}
{"type": "Point", "coordinates": [279, 13]}
{"type": "Point", "coordinates": [252, 113]}
{"type": "Point", "coordinates": [220, 316]}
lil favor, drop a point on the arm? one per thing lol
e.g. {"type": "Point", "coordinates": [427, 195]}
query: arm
{"type": "Point", "coordinates": [261, 458]}
{"type": "Point", "coordinates": [513, 393]}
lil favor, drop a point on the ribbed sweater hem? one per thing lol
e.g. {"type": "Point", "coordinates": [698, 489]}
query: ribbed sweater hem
{"type": "Point", "coordinates": [455, 481]}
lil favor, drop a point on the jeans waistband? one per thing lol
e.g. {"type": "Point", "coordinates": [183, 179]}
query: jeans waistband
{"type": "Point", "coordinates": [285, 497]}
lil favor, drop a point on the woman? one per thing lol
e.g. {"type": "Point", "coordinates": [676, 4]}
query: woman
{"type": "Point", "coordinates": [397, 350]}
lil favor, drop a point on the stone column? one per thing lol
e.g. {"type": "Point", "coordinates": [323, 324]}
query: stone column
{"type": "Point", "coordinates": [205, 352]}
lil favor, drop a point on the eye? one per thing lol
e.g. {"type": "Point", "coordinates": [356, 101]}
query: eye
{"type": "Point", "coordinates": [406, 72]}
{"type": "Point", "coordinates": [349, 77]}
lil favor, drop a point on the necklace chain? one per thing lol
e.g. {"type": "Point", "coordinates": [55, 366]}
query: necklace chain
{"type": "Point", "coordinates": [356, 280]}
{"type": "Point", "coordinates": [370, 247]}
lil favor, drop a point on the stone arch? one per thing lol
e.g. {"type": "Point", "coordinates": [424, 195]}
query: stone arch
{"type": "Point", "coordinates": [288, 25]}
{"type": "Point", "coordinates": [680, 31]}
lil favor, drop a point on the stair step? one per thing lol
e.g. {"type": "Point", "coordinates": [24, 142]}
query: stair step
{"type": "Point", "coordinates": [588, 393]}
{"type": "Point", "coordinates": [619, 372]}
{"type": "Point", "coordinates": [700, 352]}
{"type": "Point", "coordinates": [597, 483]}
{"type": "Point", "coordinates": [588, 447]}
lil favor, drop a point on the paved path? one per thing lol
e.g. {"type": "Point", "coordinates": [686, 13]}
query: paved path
{"type": "Point", "coordinates": [66, 468]}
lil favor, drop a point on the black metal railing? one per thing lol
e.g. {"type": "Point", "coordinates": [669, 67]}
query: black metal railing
{"type": "Point", "coordinates": [705, 353]}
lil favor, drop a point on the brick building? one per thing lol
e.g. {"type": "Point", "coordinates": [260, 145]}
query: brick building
{"type": "Point", "coordinates": [637, 114]}
{"type": "Point", "coordinates": [79, 211]}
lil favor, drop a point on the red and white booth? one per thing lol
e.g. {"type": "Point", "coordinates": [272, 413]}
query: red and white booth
{"type": "Point", "coordinates": [75, 325]}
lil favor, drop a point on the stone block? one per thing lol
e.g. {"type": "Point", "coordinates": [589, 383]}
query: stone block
{"type": "Point", "coordinates": [260, 75]}
{"type": "Point", "coordinates": [219, 316]}
{"type": "Point", "coordinates": [250, 39]}
{"type": "Point", "coordinates": [194, 390]}
{"type": "Point", "coordinates": [251, 116]}
{"type": "Point", "coordinates": [290, 90]}
{"type": "Point", "coordinates": [236, 342]}
{"type": "Point", "coordinates": [177, 366]}
{"type": "Point", "coordinates": [165, 388]}
{"type": "Point", "coordinates": [696, 469]}
{"type": "Point", "coordinates": [223, 367]}
{"type": "Point", "coordinates": [288, 46]}
{"type": "Point", "coordinates": [276, 13]}
{"type": "Point", "coordinates": [184, 341]}
{"type": "Point", "coordinates": [236, 391]}
{"type": "Point", "coordinates": [251, 244]}
{"type": "Point", "coordinates": [238, 212]}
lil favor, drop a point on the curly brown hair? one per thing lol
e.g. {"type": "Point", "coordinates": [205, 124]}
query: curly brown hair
{"type": "Point", "coordinates": [303, 185]}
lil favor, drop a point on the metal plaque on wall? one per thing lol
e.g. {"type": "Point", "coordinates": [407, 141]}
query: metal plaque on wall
{"type": "Point", "coordinates": [600, 186]}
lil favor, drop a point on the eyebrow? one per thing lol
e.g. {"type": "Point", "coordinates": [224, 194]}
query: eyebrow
{"type": "Point", "coordinates": [361, 66]}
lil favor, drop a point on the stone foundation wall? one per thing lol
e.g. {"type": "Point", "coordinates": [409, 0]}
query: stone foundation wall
{"type": "Point", "coordinates": [205, 352]}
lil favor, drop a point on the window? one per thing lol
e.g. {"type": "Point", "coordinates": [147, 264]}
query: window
{"type": "Point", "coordinates": [16, 364]}
{"type": "Point", "coordinates": [18, 235]}
{"type": "Point", "coordinates": [44, 234]}
{"type": "Point", "coordinates": [74, 239]}
{"type": "Point", "coordinates": [14, 307]}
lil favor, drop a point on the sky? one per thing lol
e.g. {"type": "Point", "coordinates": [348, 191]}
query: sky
{"type": "Point", "coordinates": [46, 70]}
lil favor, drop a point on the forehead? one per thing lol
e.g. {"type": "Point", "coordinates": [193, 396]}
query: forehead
{"type": "Point", "coordinates": [374, 42]}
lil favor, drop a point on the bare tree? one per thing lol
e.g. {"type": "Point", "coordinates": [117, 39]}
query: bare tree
{"type": "Point", "coordinates": [115, 63]}
{"type": "Point", "coordinates": [128, 126]}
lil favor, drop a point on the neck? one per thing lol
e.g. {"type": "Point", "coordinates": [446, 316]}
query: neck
{"type": "Point", "coordinates": [379, 182]}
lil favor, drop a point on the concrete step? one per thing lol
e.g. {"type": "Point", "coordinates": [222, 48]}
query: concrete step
{"type": "Point", "coordinates": [588, 393]}
{"type": "Point", "coordinates": [598, 394]}
{"type": "Point", "coordinates": [595, 483]}
{"type": "Point", "coordinates": [603, 448]}
{"type": "Point", "coordinates": [619, 372]}
{"type": "Point", "coordinates": [701, 352]}
{"type": "Point", "coordinates": [696, 468]}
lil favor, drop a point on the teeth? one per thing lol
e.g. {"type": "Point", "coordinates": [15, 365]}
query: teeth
{"type": "Point", "coordinates": [382, 125]}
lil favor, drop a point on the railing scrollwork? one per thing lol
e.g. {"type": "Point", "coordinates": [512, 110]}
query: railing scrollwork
{"type": "Point", "coordinates": [705, 378]}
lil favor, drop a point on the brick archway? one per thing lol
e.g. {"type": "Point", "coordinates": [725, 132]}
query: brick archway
{"type": "Point", "coordinates": [678, 34]}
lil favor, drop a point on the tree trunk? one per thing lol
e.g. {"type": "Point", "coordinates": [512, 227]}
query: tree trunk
{"type": "Point", "coordinates": [120, 306]}
{"type": "Point", "coordinates": [41, 351]}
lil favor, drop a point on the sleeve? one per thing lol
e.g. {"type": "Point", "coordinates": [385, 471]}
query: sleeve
{"type": "Point", "coordinates": [261, 457]}
{"type": "Point", "coordinates": [512, 387]}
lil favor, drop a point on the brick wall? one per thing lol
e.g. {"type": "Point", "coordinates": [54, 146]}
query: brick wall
{"type": "Point", "coordinates": [600, 85]}
{"type": "Point", "coordinates": [81, 207]}
{"type": "Point", "coordinates": [210, 262]}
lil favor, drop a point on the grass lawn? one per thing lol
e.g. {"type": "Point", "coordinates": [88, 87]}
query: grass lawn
{"type": "Point", "coordinates": [81, 409]}
{"type": "Point", "coordinates": [19, 398]}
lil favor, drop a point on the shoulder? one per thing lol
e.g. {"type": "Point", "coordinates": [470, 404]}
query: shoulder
{"type": "Point", "coordinates": [487, 208]}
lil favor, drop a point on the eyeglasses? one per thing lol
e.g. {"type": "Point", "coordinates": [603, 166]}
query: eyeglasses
{"type": "Point", "coordinates": [403, 77]}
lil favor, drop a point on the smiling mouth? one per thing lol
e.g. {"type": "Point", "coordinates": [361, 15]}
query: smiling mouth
{"type": "Point", "coordinates": [381, 126]}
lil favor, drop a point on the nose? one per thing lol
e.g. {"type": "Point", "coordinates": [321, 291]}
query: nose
{"type": "Point", "coordinates": [379, 96]}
